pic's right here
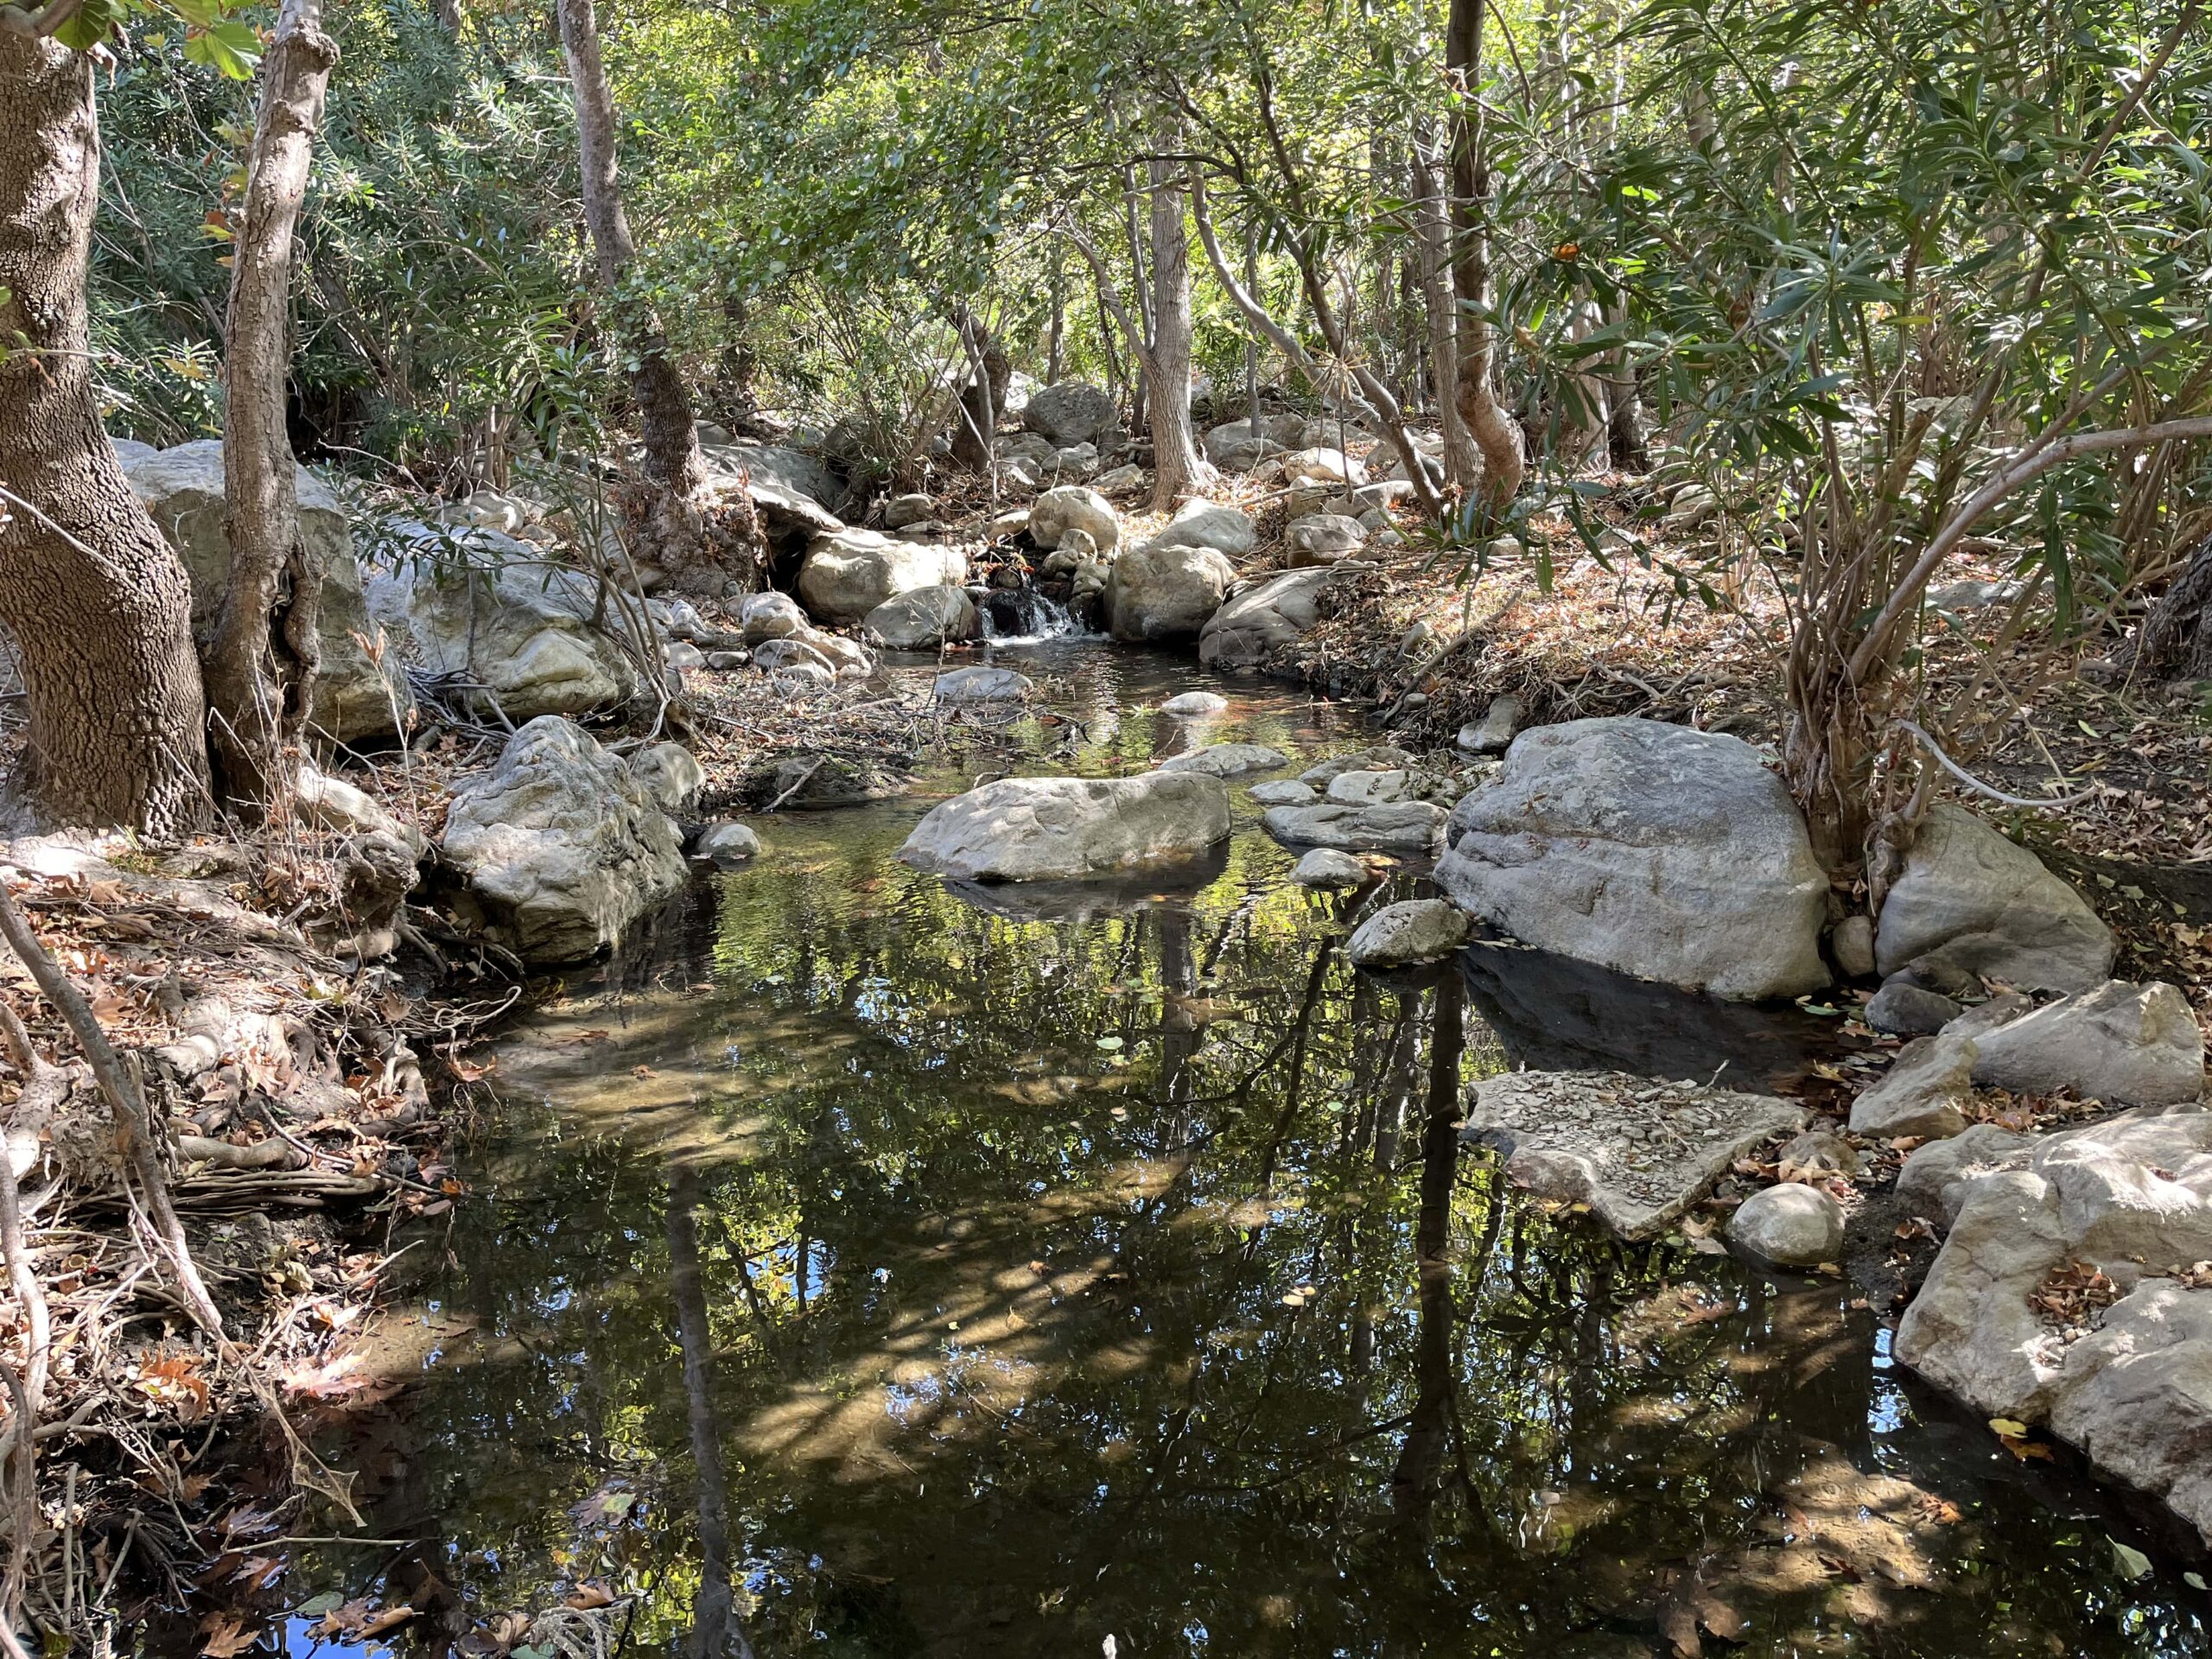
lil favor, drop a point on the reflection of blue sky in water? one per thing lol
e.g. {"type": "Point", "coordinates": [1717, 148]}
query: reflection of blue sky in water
{"type": "Point", "coordinates": [1061, 1280]}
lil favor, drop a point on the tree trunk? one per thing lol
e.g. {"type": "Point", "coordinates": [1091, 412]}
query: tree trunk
{"type": "Point", "coordinates": [262, 661]}
{"type": "Point", "coordinates": [1433, 250]}
{"type": "Point", "coordinates": [984, 396]}
{"type": "Point", "coordinates": [664, 408]}
{"type": "Point", "coordinates": [1177, 465]}
{"type": "Point", "coordinates": [1493, 430]}
{"type": "Point", "coordinates": [99, 604]}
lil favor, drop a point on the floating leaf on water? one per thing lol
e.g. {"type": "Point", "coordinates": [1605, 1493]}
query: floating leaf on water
{"type": "Point", "coordinates": [2007, 1426]}
{"type": "Point", "coordinates": [1110, 1044]}
{"type": "Point", "coordinates": [2133, 1563]}
{"type": "Point", "coordinates": [2195, 1581]}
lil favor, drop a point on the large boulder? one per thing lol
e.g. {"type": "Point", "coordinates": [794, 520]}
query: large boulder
{"type": "Point", "coordinates": [489, 611]}
{"type": "Point", "coordinates": [354, 698]}
{"type": "Point", "coordinates": [561, 845]}
{"type": "Point", "coordinates": [1072, 413]}
{"type": "Point", "coordinates": [1074, 506]}
{"type": "Point", "coordinates": [2126, 1044]}
{"type": "Point", "coordinates": [1666, 853]}
{"type": "Point", "coordinates": [849, 573]}
{"type": "Point", "coordinates": [1989, 906]}
{"type": "Point", "coordinates": [1063, 828]}
{"type": "Point", "coordinates": [922, 618]}
{"type": "Point", "coordinates": [1239, 445]}
{"type": "Point", "coordinates": [1200, 522]}
{"type": "Point", "coordinates": [1166, 592]}
{"type": "Point", "coordinates": [2070, 1292]}
{"type": "Point", "coordinates": [1257, 626]}
{"type": "Point", "coordinates": [1924, 1093]}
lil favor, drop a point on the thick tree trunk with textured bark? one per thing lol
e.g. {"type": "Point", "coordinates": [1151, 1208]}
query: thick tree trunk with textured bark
{"type": "Point", "coordinates": [261, 664]}
{"type": "Point", "coordinates": [1493, 430]}
{"type": "Point", "coordinates": [664, 408]}
{"type": "Point", "coordinates": [1178, 465]}
{"type": "Point", "coordinates": [99, 606]}
{"type": "Point", "coordinates": [1432, 255]}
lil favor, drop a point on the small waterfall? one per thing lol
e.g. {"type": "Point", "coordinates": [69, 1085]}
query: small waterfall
{"type": "Point", "coordinates": [1011, 614]}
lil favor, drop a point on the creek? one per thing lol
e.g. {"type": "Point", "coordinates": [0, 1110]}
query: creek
{"type": "Point", "coordinates": [900, 1272]}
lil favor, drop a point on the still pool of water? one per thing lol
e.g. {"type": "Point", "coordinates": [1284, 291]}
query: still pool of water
{"type": "Point", "coordinates": [865, 1270]}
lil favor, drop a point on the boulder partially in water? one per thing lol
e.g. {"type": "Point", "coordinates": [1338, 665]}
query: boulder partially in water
{"type": "Point", "coordinates": [1158, 592]}
{"type": "Point", "coordinates": [1412, 931]}
{"type": "Point", "coordinates": [562, 845]}
{"type": "Point", "coordinates": [1638, 1152]}
{"type": "Point", "coordinates": [1792, 1225]}
{"type": "Point", "coordinates": [1385, 827]}
{"type": "Point", "coordinates": [1669, 853]}
{"type": "Point", "coordinates": [922, 619]}
{"type": "Point", "coordinates": [1064, 829]}
{"type": "Point", "coordinates": [849, 573]}
{"type": "Point", "coordinates": [1227, 760]}
{"type": "Point", "coordinates": [2071, 1291]}
{"type": "Point", "coordinates": [1256, 627]}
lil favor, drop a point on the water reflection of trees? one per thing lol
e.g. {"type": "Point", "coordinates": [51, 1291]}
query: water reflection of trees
{"type": "Point", "coordinates": [1051, 1282]}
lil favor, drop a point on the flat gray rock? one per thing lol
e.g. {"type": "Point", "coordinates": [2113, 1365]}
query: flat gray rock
{"type": "Point", "coordinates": [1227, 760]}
{"type": "Point", "coordinates": [1387, 827]}
{"type": "Point", "coordinates": [1065, 829]}
{"type": "Point", "coordinates": [983, 684]}
{"type": "Point", "coordinates": [1637, 1152]}
{"type": "Point", "coordinates": [1282, 791]}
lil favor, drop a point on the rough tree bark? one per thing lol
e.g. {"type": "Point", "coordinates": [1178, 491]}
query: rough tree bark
{"type": "Point", "coordinates": [984, 396]}
{"type": "Point", "coordinates": [99, 606]}
{"type": "Point", "coordinates": [1433, 254]}
{"type": "Point", "coordinates": [1178, 465]}
{"type": "Point", "coordinates": [1492, 428]}
{"type": "Point", "coordinates": [261, 664]}
{"type": "Point", "coordinates": [664, 408]}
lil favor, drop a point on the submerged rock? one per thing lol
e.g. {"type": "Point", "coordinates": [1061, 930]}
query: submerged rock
{"type": "Point", "coordinates": [1192, 705]}
{"type": "Point", "coordinates": [1638, 1152]}
{"type": "Point", "coordinates": [2043, 1234]}
{"type": "Point", "coordinates": [2128, 1045]}
{"type": "Point", "coordinates": [728, 845]}
{"type": "Point", "coordinates": [1049, 828]}
{"type": "Point", "coordinates": [1324, 867]}
{"type": "Point", "coordinates": [562, 846]}
{"type": "Point", "coordinates": [1670, 854]}
{"type": "Point", "coordinates": [1413, 931]}
{"type": "Point", "coordinates": [1991, 907]}
{"type": "Point", "coordinates": [983, 683]}
{"type": "Point", "coordinates": [1791, 1226]}
{"type": "Point", "coordinates": [1227, 760]}
{"type": "Point", "coordinates": [1386, 827]}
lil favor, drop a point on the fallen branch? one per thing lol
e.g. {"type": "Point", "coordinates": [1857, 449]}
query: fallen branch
{"type": "Point", "coordinates": [1981, 788]}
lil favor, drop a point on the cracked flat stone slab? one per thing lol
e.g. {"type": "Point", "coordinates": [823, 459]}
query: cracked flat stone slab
{"type": "Point", "coordinates": [1638, 1151]}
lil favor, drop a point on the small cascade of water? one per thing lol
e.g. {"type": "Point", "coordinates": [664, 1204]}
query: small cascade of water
{"type": "Point", "coordinates": [1023, 613]}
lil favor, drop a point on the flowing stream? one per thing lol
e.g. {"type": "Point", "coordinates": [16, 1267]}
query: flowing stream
{"type": "Point", "coordinates": [890, 1273]}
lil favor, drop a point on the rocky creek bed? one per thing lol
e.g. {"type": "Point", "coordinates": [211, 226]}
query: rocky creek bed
{"type": "Point", "coordinates": [895, 1262]}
